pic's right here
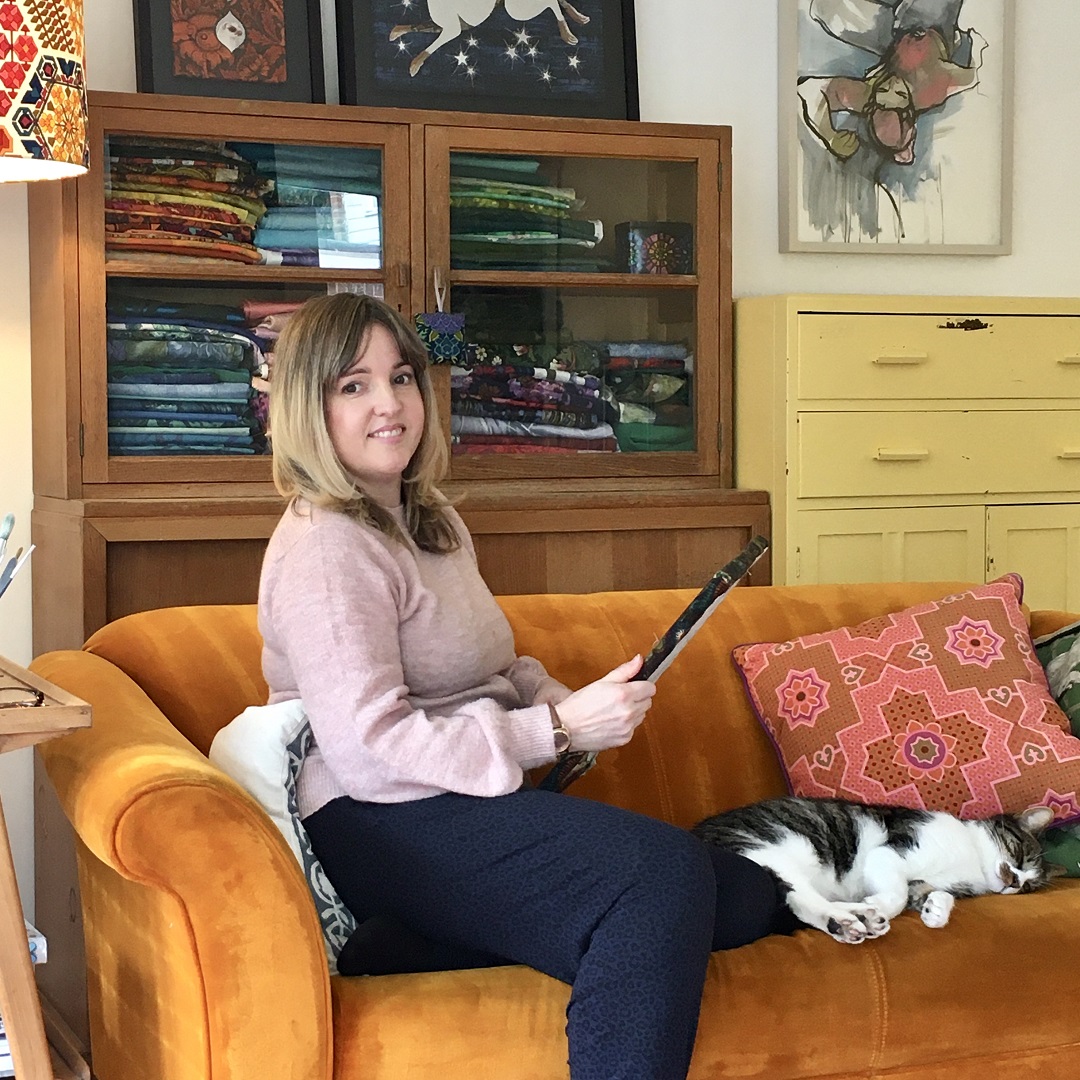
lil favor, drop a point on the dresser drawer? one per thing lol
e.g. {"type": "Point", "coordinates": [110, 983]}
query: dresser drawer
{"type": "Point", "coordinates": [962, 355]}
{"type": "Point", "coordinates": [879, 453]}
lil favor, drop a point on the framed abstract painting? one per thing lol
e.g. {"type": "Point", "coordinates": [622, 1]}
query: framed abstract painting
{"type": "Point", "coordinates": [267, 49]}
{"type": "Point", "coordinates": [896, 126]}
{"type": "Point", "coordinates": [534, 57]}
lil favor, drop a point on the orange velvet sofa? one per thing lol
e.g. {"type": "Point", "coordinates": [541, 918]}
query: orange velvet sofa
{"type": "Point", "coordinates": [205, 954]}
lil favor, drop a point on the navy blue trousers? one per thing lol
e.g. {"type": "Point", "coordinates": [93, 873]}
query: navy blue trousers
{"type": "Point", "coordinates": [622, 907]}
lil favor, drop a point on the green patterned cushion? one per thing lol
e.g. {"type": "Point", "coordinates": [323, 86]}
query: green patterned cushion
{"type": "Point", "coordinates": [1059, 654]}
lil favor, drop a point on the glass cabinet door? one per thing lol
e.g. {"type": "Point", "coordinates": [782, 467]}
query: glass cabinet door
{"type": "Point", "coordinates": [588, 282]}
{"type": "Point", "coordinates": [210, 243]}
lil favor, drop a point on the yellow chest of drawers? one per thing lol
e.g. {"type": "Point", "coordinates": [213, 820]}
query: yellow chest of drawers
{"type": "Point", "coordinates": [914, 438]}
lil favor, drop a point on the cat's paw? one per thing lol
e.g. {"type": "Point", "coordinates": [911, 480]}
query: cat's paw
{"type": "Point", "coordinates": [853, 923]}
{"type": "Point", "coordinates": [936, 909]}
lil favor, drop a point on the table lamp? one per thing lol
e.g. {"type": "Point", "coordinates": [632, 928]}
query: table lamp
{"type": "Point", "coordinates": [42, 90]}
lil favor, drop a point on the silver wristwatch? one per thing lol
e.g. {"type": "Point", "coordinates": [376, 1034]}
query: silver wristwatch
{"type": "Point", "coordinates": [562, 735]}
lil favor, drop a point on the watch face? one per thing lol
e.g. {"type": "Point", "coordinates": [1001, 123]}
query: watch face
{"type": "Point", "coordinates": [562, 740]}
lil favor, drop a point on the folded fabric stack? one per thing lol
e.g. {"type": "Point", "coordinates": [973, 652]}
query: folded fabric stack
{"type": "Point", "coordinates": [179, 379]}
{"type": "Point", "coordinates": [265, 320]}
{"type": "Point", "coordinates": [524, 407]}
{"type": "Point", "coordinates": [169, 198]}
{"type": "Point", "coordinates": [503, 217]}
{"type": "Point", "coordinates": [324, 208]}
{"type": "Point", "coordinates": [648, 385]}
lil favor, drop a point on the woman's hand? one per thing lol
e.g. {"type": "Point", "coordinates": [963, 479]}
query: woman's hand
{"type": "Point", "coordinates": [607, 712]}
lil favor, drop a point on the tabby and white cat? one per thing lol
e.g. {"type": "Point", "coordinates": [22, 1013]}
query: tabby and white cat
{"type": "Point", "coordinates": [848, 868]}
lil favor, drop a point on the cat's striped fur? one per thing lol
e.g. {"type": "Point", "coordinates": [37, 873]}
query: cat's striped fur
{"type": "Point", "coordinates": [848, 869]}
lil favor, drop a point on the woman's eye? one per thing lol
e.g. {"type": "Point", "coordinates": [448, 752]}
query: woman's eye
{"type": "Point", "coordinates": [351, 388]}
{"type": "Point", "coordinates": [403, 378]}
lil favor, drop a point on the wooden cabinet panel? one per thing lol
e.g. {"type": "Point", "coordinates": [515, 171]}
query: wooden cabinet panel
{"type": "Point", "coordinates": [1043, 543]}
{"type": "Point", "coordinates": [912, 544]}
{"type": "Point", "coordinates": [609, 548]}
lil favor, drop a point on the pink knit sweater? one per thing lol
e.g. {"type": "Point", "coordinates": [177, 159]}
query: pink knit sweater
{"type": "Point", "coordinates": [404, 662]}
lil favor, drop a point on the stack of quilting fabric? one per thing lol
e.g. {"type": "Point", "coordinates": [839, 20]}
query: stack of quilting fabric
{"type": "Point", "coordinates": [179, 379]}
{"type": "Point", "coordinates": [169, 198]}
{"type": "Point", "coordinates": [324, 206]}
{"type": "Point", "coordinates": [649, 387]}
{"type": "Point", "coordinates": [265, 320]}
{"type": "Point", "coordinates": [522, 404]}
{"type": "Point", "coordinates": [504, 217]}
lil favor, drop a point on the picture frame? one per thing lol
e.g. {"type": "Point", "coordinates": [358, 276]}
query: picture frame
{"type": "Point", "coordinates": [533, 57]}
{"type": "Point", "coordinates": [895, 134]}
{"type": "Point", "coordinates": [265, 49]}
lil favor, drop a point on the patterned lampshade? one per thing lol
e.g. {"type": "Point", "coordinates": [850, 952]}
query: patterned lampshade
{"type": "Point", "coordinates": [42, 90]}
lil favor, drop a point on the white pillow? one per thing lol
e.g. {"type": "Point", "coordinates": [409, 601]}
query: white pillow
{"type": "Point", "coordinates": [263, 750]}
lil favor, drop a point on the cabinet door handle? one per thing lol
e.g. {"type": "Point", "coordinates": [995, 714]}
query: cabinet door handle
{"type": "Point", "coordinates": [1069, 455]}
{"type": "Point", "coordinates": [901, 358]}
{"type": "Point", "coordinates": [902, 455]}
{"type": "Point", "coordinates": [1070, 361]}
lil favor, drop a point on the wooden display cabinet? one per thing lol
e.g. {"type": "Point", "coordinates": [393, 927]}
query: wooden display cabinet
{"type": "Point", "coordinates": [119, 531]}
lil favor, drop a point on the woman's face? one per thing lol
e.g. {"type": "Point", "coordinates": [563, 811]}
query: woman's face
{"type": "Point", "coordinates": [375, 417]}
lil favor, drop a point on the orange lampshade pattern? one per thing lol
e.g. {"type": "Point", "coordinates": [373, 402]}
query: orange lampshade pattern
{"type": "Point", "coordinates": [42, 90]}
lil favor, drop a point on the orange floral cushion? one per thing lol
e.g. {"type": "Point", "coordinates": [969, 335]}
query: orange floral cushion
{"type": "Point", "coordinates": [943, 706]}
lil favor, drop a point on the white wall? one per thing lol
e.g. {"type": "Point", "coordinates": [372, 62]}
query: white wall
{"type": "Point", "coordinates": [701, 61]}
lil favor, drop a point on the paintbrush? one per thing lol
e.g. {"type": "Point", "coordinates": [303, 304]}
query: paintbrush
{"type": "Point", "coordinates": [5, 531]}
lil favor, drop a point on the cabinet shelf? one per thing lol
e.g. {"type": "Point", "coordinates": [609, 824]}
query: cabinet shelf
{"type": "Point", "coordinates": [541, 279]}
{"type": "Point", "coordinates": [193, 270]}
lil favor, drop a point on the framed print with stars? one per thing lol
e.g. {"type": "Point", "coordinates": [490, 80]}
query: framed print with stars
{"type": "Point", "coordinates": [535, 57]}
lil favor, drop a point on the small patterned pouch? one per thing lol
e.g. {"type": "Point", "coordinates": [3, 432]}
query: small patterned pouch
{"type": "Point", "coordinates": [442, 332]}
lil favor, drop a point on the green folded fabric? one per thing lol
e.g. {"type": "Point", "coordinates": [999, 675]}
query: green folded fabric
{"type": "Point", "coordinates": [644, 437]}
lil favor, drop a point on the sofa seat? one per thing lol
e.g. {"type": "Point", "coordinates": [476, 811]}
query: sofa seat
{"type": "Point", "coordinates": [205, 955]}
{"type": "Point", "coordinates": [804, 1006]}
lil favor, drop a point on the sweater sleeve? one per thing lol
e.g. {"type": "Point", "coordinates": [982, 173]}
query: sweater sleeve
{"type": "Point", "coordinates": [335, 606]}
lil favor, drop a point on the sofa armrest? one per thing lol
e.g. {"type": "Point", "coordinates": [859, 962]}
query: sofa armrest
{"type": "Point", "coordinates": [198, 906]}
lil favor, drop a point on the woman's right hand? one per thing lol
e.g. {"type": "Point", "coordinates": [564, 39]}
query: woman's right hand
{"type": "Point", "coordinates": [607, 712]}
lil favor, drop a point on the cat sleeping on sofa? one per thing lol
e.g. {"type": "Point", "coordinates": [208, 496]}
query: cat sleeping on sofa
{"type": "Point", "coordinates": [848, 868]}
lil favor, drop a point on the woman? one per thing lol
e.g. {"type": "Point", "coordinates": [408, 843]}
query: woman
{"type": "Point", "coordinates": [373, 613]}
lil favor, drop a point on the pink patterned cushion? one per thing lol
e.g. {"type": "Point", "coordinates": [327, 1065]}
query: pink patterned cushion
{"type": "Point", "coordinates": [943, 706]}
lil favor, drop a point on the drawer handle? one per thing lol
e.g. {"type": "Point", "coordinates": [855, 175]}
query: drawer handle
{"type": "Point", "coordinates": [902, 455]}
{"type": "Point", "coordinates": [1071, 361]}
{"type": "Point", "coordinates": [902, 358]}
{"type": "Point", "coordinates": [1069, 455]}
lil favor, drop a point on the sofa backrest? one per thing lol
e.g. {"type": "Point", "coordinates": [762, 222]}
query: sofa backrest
{"type": "Point", "coordinates": [700, 750]}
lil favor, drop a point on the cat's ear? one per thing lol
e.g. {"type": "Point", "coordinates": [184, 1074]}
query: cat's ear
{"type": "Point", "coordinates": [1035, 819]}
{"type": "Point", "coordinates": [1053, 870]}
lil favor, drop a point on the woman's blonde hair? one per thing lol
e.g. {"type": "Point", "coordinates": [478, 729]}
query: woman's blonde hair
{"type": "Point", "coordinates": [319, 344]}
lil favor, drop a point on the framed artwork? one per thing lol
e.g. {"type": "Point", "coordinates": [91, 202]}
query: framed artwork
{"type": "Point", "coordinates": [267, 49]}
{"type": "Point", "coordinates": [537, 57]}
{"type": "Point", "coordinates": [896, 126]}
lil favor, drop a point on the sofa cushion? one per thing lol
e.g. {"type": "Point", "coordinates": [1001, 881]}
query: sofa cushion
{"type": "Point", "coordinates": [263, 750]}
{"type": "Point", "coordinates": [942, 706]}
